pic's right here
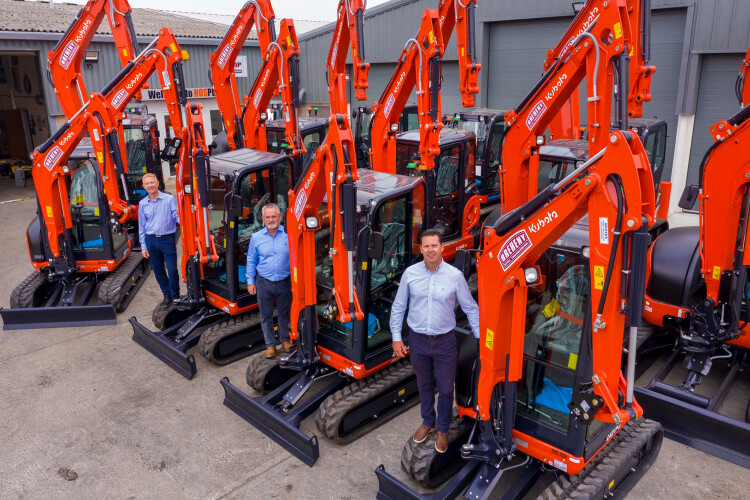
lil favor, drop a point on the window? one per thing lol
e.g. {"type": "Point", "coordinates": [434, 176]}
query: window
{"type": "Point", "coordinates": [275, 140]}
{"type": "Point", "coordinates": [311, 142]}
{"type": "Point", "coordinates": [552, 172]}
{"type": "Point", "coordinates": [554, 326]}
{"type": "Point", "coordinates": [406, 155]}
{"type": "Point", "coordinates": [217, 124]}
{"type": "Point", "coordinates": [448, 172]}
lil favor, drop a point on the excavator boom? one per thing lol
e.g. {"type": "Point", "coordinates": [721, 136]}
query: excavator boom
{"type": "Point", "coordinates": [349, 29]}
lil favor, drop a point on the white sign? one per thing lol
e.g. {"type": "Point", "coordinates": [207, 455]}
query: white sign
{"type": "Point", "coordinates": [240, 66]}
{"type": "Point", "coordinates": [197, 93]}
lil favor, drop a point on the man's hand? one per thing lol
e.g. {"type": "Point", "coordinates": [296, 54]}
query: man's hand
{"type": "Point", "coordinates": [144, 252]}
{"type": "Point", "coordinates": [400, 349]}
{"type": "Point", "coordinates": [252, 290]}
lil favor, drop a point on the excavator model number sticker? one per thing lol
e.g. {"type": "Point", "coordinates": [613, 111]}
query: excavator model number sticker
{"type": "Point", "coordinates": [603, 231]}
{"type": "Point", "coordinates": [599, 277]}
{"type": "Point", "coordinates": [513, 249]}
{"type": "Point", "coordinates": [717, 272]}
{"type": "Point", "coordinates": [490, 339]}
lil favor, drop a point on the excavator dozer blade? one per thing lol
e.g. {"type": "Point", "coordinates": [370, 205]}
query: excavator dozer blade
{"type": "Point", "coordinates": [390, 488]}
{"type": "Point", "coordinates": [264, 414]}
{"type": "Point", "coordinates": [162, 345]}
{"type": "Point", "coordinates": [23, 318]}
{"type": "Point", "coordinates": [698, 427]}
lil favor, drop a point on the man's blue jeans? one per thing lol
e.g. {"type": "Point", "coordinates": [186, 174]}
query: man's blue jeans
{"type": "Point", "coordinates": [434, 356]}
{"type": "Point", "coordinates": [269, 292]}
{"type": "Point", "coordinates": [163, 250]}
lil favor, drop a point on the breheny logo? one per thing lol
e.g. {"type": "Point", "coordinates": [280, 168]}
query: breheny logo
{"type": "Point", "coordinates": [389, 105]}
{"type": "Point", "coordinates": [52, 157]}
{"type": "Point", "coordinates": [119, 98]}
{"type": "Point", "coordinates": [513, 249]}
{"type": "Point", "coordinates": [68, 54]}
{"type": "Point", "coordinates": [535, 113]}
{"type": "Point", "coordinates": [224, 56]}
{"type": "Point", "coordinates": [256, 97]}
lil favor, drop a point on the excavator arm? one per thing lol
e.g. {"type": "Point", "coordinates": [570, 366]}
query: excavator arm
{"type": "Point", "coordinates": [615, 189]}
{"type": "Point", "coordinates": [419, 64]}
{"type": "Point", "coordinates": [258, 13]}
{"type": "Point", "coordinates": [349, 29]}
{"type": "Point", "coordinates": [590, 55]}
{"type": "Point", "coordinates": [459, 14]}
{"type": "Point", "coordinates": [64, 61]}
{"type": "Point", "coordinates": [742, 87]}
{"type": "Point", "coordinates": [280, 66]}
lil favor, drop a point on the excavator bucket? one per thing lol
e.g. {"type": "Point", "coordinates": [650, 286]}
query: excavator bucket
{"type": "Point", "coordinates": [266, 414]}
{"type": "Point", "coordinates": [24, 318]}
{"type": "Point", "coordinates": [171, 344]}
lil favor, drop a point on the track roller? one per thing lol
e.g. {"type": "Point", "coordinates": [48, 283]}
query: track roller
{"type": "Point", "coordinates": [265, 375]}
{"type": "Point", "coordinates": [234, 339]}
{"type": "Point", "coordinates": [616, 468]}
{"type": "Point", "coordinates": [120, 286]}
{"type": "Point", "coordinates": [31, 292]}
{"type": "Point", "coordinates": [365, 404]}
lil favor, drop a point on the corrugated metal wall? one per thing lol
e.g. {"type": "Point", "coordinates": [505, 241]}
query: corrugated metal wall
{"type": "Point", "coordinates": [533, 9]}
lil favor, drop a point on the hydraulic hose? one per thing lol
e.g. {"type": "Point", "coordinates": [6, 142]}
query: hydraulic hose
{"type": "Point", "coordinates": [610, 265]}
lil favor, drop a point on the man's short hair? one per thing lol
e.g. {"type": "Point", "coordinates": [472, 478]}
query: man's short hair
{"type": "Point", "coordinates": [271, 205]}
{"type": "Point", "coordinates": [149, 175]}
{"type": "Point", "coordinates": [431, 232]}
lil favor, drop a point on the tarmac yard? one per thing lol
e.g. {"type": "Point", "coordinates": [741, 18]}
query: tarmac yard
{"type": "Point", "coordinates": [88, 413]}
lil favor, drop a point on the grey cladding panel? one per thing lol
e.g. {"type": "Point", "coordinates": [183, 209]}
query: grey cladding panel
{"type": "Point", "coordinates": [716, 102]}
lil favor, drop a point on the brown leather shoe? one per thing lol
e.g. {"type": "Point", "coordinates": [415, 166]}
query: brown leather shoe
{"type": "Point", "coordinates": [422, 433]}
{"type": "Point", "coordinates": [441, 442]}
{"type": "Point", "coordinates": [287, 346]}
{"type": "Point", "coordinates": [270, 352]}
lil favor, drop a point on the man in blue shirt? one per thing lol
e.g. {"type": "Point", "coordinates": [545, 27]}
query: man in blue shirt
{"type": "Point", "coordinates": [157, 224]}
{"type": "Point", "coordinates": [431, 289]}
{"type": "Point", "coordinates": [268, 276]}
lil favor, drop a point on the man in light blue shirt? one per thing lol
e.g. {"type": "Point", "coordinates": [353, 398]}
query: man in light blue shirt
{"type": "Point", "coordinates": [268, 276]}
{"type": "Point", "coordinates": [157, 225]}
{"type": "Point", "coordinates": [431, 289]}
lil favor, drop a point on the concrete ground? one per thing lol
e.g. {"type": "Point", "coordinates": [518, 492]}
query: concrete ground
{"type": "Point", "coordinates": [87, 413]}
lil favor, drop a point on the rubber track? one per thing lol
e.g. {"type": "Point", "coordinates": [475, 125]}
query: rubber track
{"type": "Point", "coordinates": [258, 370]}
{"type": "Point", "coordinates": [592, 481]}
{"type": "Point", "coordinates": [416, 458]}
{"type": "Point", "coordinates": [23, 295]}
{"type": "Point", "coordinates": [212, 336]}
{"type": "Point", "coordinates": [159, 316]}
{"type": "Point", "coordinates": [330, 414]}
{"type": "Point", "coordinates": [110, 288]}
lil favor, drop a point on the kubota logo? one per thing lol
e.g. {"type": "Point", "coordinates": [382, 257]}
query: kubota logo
{"type": "Point", "coordinates": [539, 224]}
{"type": "Point", "coordinates": [68, 54]}
{"type": "Point", "coordinates": [513, 249]}
{"type": "Point", "coordinates": [535, 113]}
{"type": "Point", "coordinates": [82, 32]}
{"type": "Point", "coordinates": [52, 157]}
{"type": "Point", "coordinates": [224, 56]}
{"type": "Point", "coordinates": [119, 98]}
{"type": "Point", "coordinates": [137, 78]}
{"type": "Point", "coordinates": [557, 86]}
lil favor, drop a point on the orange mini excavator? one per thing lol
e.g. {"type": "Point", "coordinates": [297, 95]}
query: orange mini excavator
{"type": "Point", "coordinates": [81, 237]}
{"type": "Point", "coordinates": [542, 388]}
{"type": "Point", "coordinates": [218, 314]}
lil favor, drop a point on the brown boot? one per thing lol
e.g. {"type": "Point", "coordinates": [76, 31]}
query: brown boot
{"type": "Point", "coordinates": [270, 352]}
{"type": "Point", "coordinates": [422, 433]}
{"type": "Point", "coordinates": [441, 442]}
{"type": "Point", "coordinates": [287, 346]}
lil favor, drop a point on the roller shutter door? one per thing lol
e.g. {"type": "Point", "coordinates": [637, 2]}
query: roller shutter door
{"type": "Point", "coordinates": [716, 102]}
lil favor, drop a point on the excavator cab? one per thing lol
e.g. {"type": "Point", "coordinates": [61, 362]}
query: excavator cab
{"type": "Point", "coordinates": [449, 185]}
{"type": "Point", "coordinates": [313, 130]}
{"type": "Point", "coordinates": [409, 120]}
{"type": "Point", "coordinates": [142, 150]}
{"type": "Point", "coordinates": [489, 127]}
{"type": "Point", "coordinates": [242, 183]}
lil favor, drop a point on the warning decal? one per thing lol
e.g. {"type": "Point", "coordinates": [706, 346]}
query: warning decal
{"type": "Point", "coordinates": [599, 277]}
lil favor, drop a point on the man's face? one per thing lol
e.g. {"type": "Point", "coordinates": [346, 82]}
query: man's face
{"type": "Point", "coordinates": [151, 185]}
{"type": "Point", "coordinates": [271, 218]}
{"type": "Point", "coordinates": [432, 250]}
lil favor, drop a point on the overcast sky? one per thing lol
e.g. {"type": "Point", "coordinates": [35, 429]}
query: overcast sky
{"type": "Point", "coordinates": [312, 10]}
